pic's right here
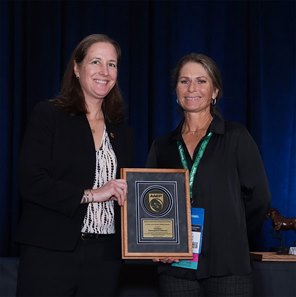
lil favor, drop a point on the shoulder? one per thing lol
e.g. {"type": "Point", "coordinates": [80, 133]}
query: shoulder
{"type": "Point", "coordinates": [50, 108]}
{"type": "Point", "coordinates": [234, 126]}
{"type": "Point", "coordinates": [166, 138]}
{"type": "Point", "coordinates": [45, 109]}
{"type": "Point", "coordinates": [48, 115]}
{"type": "Point", "coordinates": [224, 127]}
{"type": "Point", "coordinates": [41, 112]}
{"type": "Point", "coordinates": [238, 135]}
{"type": "Point", "coordinates": [44, 106]}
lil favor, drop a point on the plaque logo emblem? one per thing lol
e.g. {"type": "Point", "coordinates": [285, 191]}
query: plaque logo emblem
{"type": "Point", "coordinates": [157, 202]}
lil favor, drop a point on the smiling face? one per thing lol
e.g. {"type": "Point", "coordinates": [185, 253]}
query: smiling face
{"type": "Point", "coordinates": [195, 88]}
{"type": "Point", "coordinates": [97, 73]}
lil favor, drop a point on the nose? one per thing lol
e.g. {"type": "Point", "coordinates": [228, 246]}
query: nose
{"type": "Point", "coordinates": [192, 86]}
{"type": "Point", "coordinates": [104, 70]}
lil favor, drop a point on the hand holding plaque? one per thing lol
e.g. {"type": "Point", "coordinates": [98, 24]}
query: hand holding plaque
{"type": "Point", "coordinates": [156, 220]}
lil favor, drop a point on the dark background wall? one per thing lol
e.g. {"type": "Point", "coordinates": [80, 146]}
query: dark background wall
{"type": "Point", "coordinates": [253, 42]}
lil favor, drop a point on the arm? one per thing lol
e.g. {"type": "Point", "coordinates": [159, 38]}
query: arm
{"type": "Point", "coordinates": [115, 189]}
{"type": "Point", "coordinates": [37, 171]}
{"type": "Point", "coordinates": [254, 184]}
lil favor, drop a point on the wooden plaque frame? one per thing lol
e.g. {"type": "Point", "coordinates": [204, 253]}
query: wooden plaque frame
{"type": "Point", "coordinates": [156, 217]}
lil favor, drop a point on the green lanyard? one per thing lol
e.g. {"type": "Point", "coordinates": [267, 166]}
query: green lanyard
{"type": "Point", "coordinates": [196, 161]}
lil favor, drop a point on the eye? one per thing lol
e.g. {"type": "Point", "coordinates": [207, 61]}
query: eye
{"type": "Point", "coordinates": [112, 65]}
{"type": "Point", "coordinates": [201, 81]}
{"type": "Point", "coordinates": [184, 81]}
{"type": "Point", "coordinates": [96, 62]}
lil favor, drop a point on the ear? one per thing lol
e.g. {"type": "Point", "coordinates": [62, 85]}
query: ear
{"type": "Point", "coordinates": [76, 70]}
{"type": "Point", "coordinates": [215, 93]}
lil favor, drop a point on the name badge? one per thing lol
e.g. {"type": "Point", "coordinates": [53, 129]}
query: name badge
{"type": "Point", "coordinates": [197, 221]}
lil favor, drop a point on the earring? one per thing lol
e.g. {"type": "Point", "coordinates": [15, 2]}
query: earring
{"type": "Point", "coordinates": [213, 101]}
{"type": "Point", "coordinates": [177, 100]}
{"type": "Point", "coordinates": [77, 76]}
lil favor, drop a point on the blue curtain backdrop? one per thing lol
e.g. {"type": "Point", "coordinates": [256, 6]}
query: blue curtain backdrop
{"type": "Point", "coordinates": [253, 42]}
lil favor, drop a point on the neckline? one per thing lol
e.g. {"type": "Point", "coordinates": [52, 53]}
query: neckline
{"type": "Point", "coordinates": [102, 140]}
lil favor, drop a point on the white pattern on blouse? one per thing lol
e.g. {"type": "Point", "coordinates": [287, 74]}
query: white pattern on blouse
{"type": "Point", "coordinates": [100, 215]}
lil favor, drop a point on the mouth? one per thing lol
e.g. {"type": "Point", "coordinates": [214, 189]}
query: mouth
{"type": "Point", "coordinates": [101, 81]}
{"type": "Point", "coordinates": [192, 98]}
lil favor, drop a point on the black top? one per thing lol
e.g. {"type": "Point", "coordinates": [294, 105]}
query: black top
{"type": "Point", "coordinates": [231, 185]}
{"type": "Point", "coordinates": [57, 163]}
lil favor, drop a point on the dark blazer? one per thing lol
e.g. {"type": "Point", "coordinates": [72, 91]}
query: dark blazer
{"type": "Point", "coordinates": [57, 162]}
{"type": "Point", "coordinates": [231, 185]}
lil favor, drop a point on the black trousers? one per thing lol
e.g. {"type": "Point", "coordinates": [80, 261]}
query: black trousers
{"type": "Point", "coordinates": [82, 272]}
{"type": "Point", "coordinates": [226, 286]}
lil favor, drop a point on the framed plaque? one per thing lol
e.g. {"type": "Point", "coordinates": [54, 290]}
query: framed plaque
{"type": "Point", "coordinates": [156, 217]}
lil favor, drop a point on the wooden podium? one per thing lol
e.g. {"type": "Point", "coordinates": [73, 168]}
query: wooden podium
{"type": "Point", "coordinates": [274, 274]}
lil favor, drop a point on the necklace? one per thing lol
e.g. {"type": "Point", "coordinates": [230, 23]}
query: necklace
{"type": "Point", "coordinates": [94, 124]}
{"type": "Point", "coordinates": [198, 131]}
{"type": "Point", "coordinates": [190, 132]}
{"type": "Point", "coordinates": [94, 128]}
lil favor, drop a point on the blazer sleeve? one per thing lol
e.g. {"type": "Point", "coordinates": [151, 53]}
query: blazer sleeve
{"type": "Point", "coordinates": [37, 182]}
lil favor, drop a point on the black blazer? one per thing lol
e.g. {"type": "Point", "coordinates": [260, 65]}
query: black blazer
{"type": "Point", "coordinates": [57, 162]}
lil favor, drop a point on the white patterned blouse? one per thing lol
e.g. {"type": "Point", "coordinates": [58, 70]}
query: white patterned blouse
{"type": "Point", "coordinates": [99, 218]}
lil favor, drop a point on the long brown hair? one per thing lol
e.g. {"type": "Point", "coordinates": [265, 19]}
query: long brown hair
{"type": "Point", "coordinates": [71, 97]}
